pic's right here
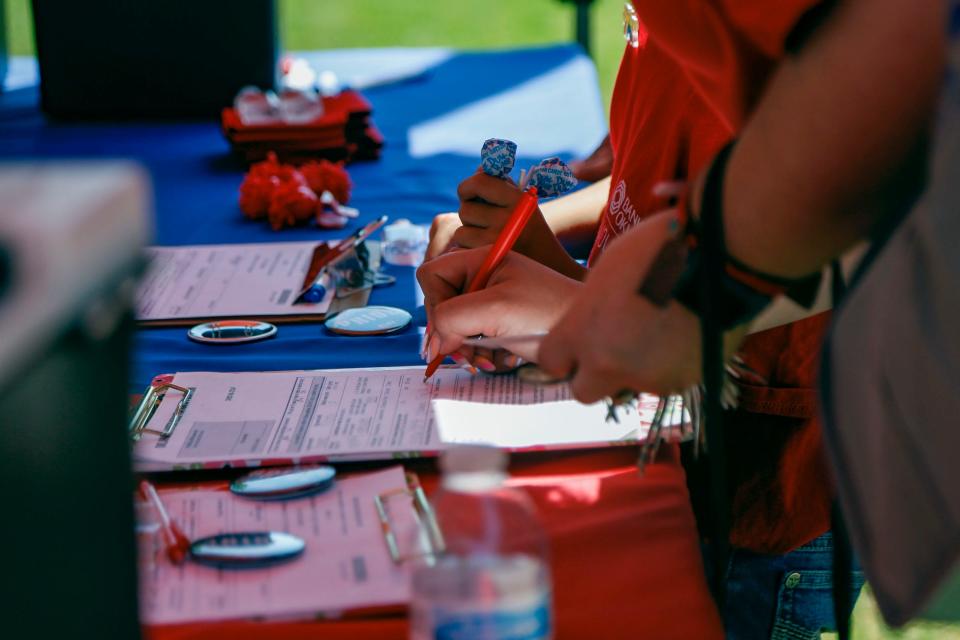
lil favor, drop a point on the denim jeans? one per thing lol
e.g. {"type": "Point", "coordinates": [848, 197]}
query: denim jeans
{"type": "Point", "coordinates": [787, 597]}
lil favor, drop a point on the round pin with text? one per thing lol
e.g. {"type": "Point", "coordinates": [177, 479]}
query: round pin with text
{"type": "Point", "coordinates": [368, 321]}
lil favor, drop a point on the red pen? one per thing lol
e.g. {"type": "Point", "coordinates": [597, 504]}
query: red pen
{"type": "Point", "coordinates": [177, 545]}
{"type": "Point", "coordinates": [498, 251]}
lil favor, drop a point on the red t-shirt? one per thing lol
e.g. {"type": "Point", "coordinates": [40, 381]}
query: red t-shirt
{"type": "Point", "coordinates": [683, 92]}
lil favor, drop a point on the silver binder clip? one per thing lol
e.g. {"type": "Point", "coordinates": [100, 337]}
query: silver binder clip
{"type": "Point", "coordinates": [429, 543]}
{"type": "Point", "coordinates": [148, 406]}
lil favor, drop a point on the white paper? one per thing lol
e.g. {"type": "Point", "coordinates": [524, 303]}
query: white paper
{"type": "Point", "coordinates": [227, 281]}
{"type": "Point", "coordinates": [249, 419]}
{"type": "Point", "coordinates": [345, 565]}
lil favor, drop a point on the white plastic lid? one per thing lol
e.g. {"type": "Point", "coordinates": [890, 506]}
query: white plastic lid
{"type": "Point", "coordinates": [473, 458]}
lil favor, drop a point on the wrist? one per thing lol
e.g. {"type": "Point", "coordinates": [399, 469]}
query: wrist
{"type": "Point", "coordinates": [540, 244]}
{"type": "Point", "coordinates": [740, 291]}
{"type": "Point", "coordinates": [708, 284]}
{"type": "Point", "coordinates": [556, 258]}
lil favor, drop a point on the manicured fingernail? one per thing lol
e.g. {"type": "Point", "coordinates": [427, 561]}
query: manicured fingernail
{"type": "Point", "coordinates": [484, 364]}
{"type": "Point", "coordinates": [464, 363]}
{"type": "Point", "coordinates": [423, 345]}
{"type": "Point", "coordinates": [512, 361]}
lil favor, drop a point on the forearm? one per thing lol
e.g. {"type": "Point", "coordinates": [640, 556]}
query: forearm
{"type": "Point", "coordinates": [836, 124]}
{"type": "Point", "coordinates": [574, 218]}
{"type": "Point", "coordinates": [547, 248]}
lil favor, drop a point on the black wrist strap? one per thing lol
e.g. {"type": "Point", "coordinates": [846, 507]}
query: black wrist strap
{"type": "Point", "coordinates": [803, 290]}
{"type": "Point", "coordinates": [712, 305]}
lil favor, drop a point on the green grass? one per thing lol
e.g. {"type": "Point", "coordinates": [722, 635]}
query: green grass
{"type": "Point", "coordinates": [475, 24]}
{"type": "Point", "coordinates": [19, 29]}
{"type": "Point", "coordinates": [868, 625]}
{"type": "Point", "coordinates": [307, 24]}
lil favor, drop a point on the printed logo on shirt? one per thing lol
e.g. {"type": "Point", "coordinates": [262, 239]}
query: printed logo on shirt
{"type": "Point", "coordinates": [618, 216]}
{"type": "Point", "coordinates": [621, 213]}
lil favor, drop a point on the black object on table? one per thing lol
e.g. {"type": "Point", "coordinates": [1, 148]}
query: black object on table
{"type": "Point", "coordinates": [108, 59]}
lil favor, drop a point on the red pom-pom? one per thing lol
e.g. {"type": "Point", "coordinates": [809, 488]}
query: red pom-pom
{"type": "Point", "coordinates": [267, 168]}
{"type": "Point", "coordinates": [260, 183]}
{"type": "Point", "coordinates": [272, 168]}
{"type": "Point", "coordinates": [255, 194]}
{"type": "Point", "coordinates": [327, 176]}
{"type": "Point", "coordinates": [291, 203]}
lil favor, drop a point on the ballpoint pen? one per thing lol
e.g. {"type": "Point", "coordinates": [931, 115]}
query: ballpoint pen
{"type": "Point", "coordinates": [316, 287]}
{"type": "Point", "coordinates": [176, 543]}
{"type": "Point", "coordinates": [498, 251]}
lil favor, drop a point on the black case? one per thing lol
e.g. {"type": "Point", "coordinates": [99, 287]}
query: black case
{"type": "Point", "coordinates": [141, 59]}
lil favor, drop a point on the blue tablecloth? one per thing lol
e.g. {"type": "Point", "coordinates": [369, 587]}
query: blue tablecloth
{"type": "Point", "coordinates": [434, 115]}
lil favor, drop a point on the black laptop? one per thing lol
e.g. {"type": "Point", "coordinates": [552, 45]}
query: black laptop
{"type": "Point", "coordinates": [144, 59]}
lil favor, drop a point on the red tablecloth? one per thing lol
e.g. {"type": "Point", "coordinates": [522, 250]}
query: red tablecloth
{"type": "Point", "coordinates": [625, 557]}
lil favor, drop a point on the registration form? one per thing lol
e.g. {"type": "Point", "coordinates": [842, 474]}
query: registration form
{"type": "Point", "coordinates": [252, 419]}
{"type": "Point", "coordinates": [345, 565]}
{"type": "Point", "coordinates": [205, 282]}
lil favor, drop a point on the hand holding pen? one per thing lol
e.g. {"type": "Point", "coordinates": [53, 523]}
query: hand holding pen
{"type": "Point", "coordinates": [495, 255]}
{"type": "Point", "coordinates": [550, 177]}
{"type": "Point", "coordinates": [521, 297]}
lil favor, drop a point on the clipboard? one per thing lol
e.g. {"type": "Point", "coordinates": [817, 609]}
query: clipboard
{"type": "Point", "coordinates": [357, 299]}
{"type": "Point", "coordinates": [210, 420]}
{"type": "Point", "coordinates": [347, 551]}
{"type": "Point", "coordinates": [353, 252]}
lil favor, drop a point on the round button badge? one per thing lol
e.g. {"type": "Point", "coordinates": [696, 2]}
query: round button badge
{"type": "Point", "coordinates": [232, 331]}
{"type": "Point", "coordinates": [369, 321]}
{"type": "Point", "coordinates": [285, 482]}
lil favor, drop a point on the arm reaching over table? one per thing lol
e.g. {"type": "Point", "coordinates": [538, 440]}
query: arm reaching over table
{"type": "Point", "coordinates": [611, 338]}
{"type": "Point", "coordinates": [837, 139]}
{"type": "Point", "coordinates": [831, 147]}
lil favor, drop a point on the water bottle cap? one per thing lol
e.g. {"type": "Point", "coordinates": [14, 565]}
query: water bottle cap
{"type": "Point", "coordinates": [473, 458]}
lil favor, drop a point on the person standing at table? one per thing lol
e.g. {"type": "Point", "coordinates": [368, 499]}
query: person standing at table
{"type": "Point", "coordinates": [689, 78]}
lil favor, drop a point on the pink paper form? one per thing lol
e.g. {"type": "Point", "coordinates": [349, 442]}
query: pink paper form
{"type": "Point", "coordinates": [226, 281]}
{"type": "Point", "coordinates": [346, 564]}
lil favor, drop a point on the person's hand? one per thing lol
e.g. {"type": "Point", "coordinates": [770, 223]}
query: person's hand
{"type": "Point", "coordinates": [521, 297]}
{"type": "Point", "coordinates": [597, 165]}
{"type": "Point", "coordinates": [486, 204]}
{"type": "Point", "coordinates": [441, 234]}
{"type": "Point", "coordinates": [611, 338]}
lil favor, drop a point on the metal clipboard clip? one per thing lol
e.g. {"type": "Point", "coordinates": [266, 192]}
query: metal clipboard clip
{"type": "Point", "coordinates": [427, 542]}
{"type": "Point", "coordinates": [148, 406]}
{"type": "Point", "coordinates": [352, 265]}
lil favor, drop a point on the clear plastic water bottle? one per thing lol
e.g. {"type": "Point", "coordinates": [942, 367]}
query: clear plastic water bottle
{"type": "Point", "coordinates": [492, 579]}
